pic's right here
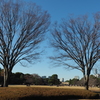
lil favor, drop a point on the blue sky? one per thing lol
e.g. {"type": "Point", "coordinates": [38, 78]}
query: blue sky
{"type": "Point", "coordinates": [59, 9]}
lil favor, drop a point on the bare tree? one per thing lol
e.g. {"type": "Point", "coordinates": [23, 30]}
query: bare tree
{"type": "Point", "coordinates": [22, 28]}
{"type": "Point", "coordinates": [77, 43]}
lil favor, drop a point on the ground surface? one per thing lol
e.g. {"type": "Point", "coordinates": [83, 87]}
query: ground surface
{"type": "Point", "coordinates": [69, 87]}
{"type": "Point", "coordinates": [47, 91]}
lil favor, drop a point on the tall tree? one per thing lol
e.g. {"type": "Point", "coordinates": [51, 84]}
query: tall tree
{"type": "Point", "coordinates": [22, 28]}
{"type": "Point", "coordinates": [77, 41]}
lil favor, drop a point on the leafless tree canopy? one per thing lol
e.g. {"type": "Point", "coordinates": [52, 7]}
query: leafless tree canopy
{"type": "Point", "coordinates": [22, 28]}
{"type": "Point", "coordinates": [78, 40]}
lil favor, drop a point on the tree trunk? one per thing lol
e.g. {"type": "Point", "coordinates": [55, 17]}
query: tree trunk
{"type": "Point", "coordinates": [87, 82]}
{"type": "Point", "coordinates": [6, 77]}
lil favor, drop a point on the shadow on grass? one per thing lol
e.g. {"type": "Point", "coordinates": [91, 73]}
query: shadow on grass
{"type": "Point", "coordinates": [56, 97]}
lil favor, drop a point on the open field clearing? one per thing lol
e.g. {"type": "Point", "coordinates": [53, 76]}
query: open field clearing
{"type": "Point", "coordinates": [68, 87]}
{"type": "Point", "coordinates": [23, 92]}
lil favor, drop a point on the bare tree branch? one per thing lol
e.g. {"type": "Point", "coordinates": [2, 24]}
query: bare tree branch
{"type": "Point", "coordinates": [77, 39]}
{"type": "Point", "coordinates": [22, 29]}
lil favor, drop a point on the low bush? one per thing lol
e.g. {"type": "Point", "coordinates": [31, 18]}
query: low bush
{"type": "Point", "coordinates": [30, 93]}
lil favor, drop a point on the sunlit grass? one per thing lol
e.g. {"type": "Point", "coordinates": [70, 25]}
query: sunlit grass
{"type": "Point", "coordinates": [23, 92]}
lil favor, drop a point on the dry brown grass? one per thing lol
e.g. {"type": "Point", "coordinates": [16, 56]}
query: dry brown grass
{"type": "Point", "coordinates": [65, 87]}
{"type": "Point", "coordinates": [22, 92]}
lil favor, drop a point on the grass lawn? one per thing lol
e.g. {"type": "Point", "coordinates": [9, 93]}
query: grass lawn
{"type": "Point", "coordinates": [23, 92]}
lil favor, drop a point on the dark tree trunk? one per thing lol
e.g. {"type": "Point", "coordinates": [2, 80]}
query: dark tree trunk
{"type": "Point", "coordinates": [87, 82]}
{"type": "Point", "coordinates": [6, 77]}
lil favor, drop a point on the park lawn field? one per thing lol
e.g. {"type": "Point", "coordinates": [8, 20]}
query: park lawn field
{"type": "Point", "coordinates": [64, 87]}
{"type": "Point", "coordinates": [44, 93]}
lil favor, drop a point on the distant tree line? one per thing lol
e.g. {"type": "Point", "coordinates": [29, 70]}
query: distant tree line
{"type": "Point", "coordinates": [94, 81]}
{"type": "Point", "coordinates": [19, 78]}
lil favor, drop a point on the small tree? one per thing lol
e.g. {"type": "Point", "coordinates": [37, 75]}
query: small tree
{"type": "Point", "coordinates": [22, 28]}
{"type": "Point", "coordinates": [73, 81]}
{"type": "Point", "coordinates": [53, 80]}
{"type": "Point", "coordinates": [77, 41]}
